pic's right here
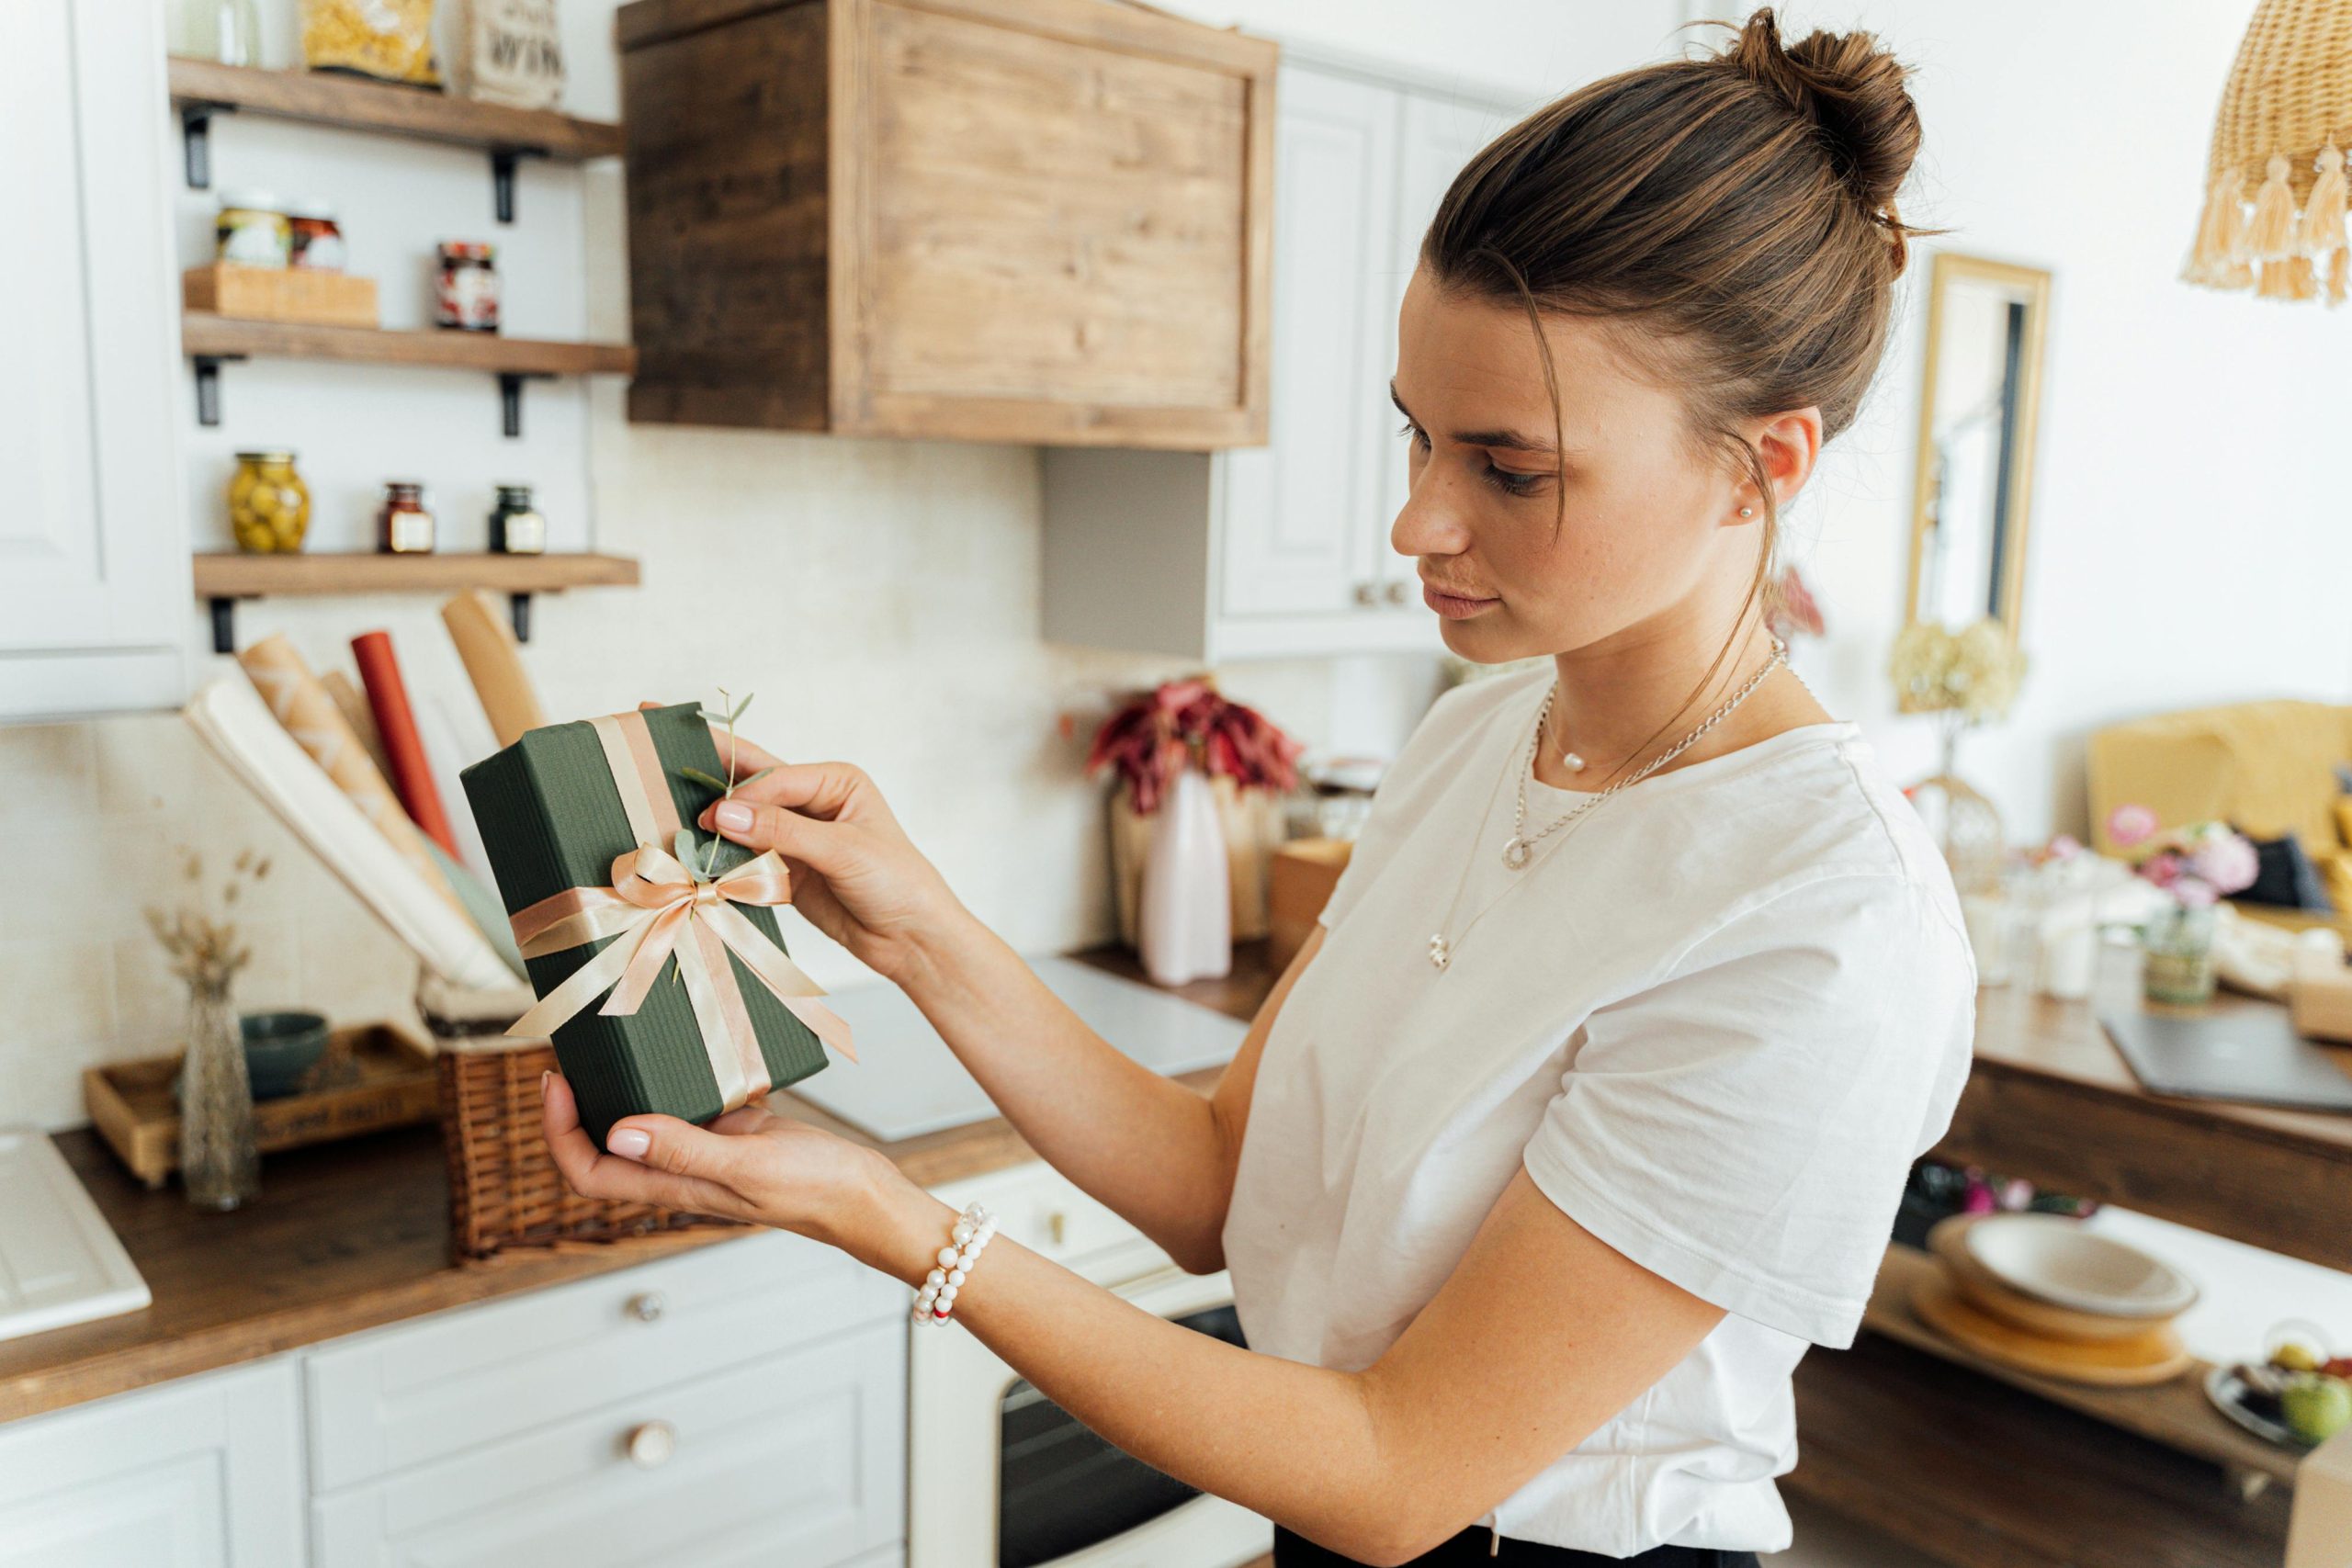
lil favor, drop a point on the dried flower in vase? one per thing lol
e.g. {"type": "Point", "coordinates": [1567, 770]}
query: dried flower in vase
{"type": "Point", "coordinates": [220, 1165]}
{"type": "Point", "coordinates": [201, 945]}
{"type": "Point", "coordinates": [1156, 736]}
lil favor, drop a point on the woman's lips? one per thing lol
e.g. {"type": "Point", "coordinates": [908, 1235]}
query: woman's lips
{"type": "Point", "coordinates": [1455, 606]}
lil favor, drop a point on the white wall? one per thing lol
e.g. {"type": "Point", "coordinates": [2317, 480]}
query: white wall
{"type": "Point", "coordinates": [2189, 540]}
{"type": "Point", "coordinates": [886, 591]}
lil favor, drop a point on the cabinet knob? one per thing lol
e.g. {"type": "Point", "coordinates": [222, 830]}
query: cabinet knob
{"type": "Point", "coordinates": [650, 1445]}
{"type": "Point", "coordinates": [1397, 592]}
{"type": "Point", "coordinates": [1367, 594]}
{"type": "Point", "coordinates": [647, 1306]}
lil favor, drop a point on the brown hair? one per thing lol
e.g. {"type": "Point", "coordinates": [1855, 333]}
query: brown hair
{"type": "Point", "coordinates": [1738, 209]}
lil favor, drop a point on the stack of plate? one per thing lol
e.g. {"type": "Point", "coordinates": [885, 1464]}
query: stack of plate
{"type": "Point", "coordinates": [2040, 1293]}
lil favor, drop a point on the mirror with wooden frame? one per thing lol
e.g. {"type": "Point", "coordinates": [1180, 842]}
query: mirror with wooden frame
{"type": "Point", "coordinates": [1974, 492]}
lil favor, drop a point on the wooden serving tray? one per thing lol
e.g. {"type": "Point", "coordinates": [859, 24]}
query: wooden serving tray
{"type": "Point", "coordinates": [132, 1107]}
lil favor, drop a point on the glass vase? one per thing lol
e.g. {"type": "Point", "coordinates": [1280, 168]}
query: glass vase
{"type": "Point", "coordinates": [220, 1166]}
{"type": "Point", "coordinates": [2178, 945]}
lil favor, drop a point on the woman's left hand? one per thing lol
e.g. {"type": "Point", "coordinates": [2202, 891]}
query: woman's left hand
{"type": "Point", "coordinates": [750, 1164]}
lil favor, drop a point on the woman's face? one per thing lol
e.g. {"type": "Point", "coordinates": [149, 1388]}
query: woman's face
{"type": "Point", "coordinates": [1535, 537]}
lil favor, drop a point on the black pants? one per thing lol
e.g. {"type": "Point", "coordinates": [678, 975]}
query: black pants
{"type": "Point", "coordinates": [1470, 1549]}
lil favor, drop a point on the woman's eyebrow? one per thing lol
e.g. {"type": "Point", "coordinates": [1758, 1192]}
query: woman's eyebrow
{"type": "Point", "coordinates": [1501, 440]}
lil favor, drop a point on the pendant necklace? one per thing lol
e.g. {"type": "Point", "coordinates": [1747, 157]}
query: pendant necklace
{"type": "Point", "coordinates": [1518, 850]}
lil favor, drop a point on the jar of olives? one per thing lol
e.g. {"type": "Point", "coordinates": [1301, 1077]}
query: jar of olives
{"type": "Point", "coordinates": [269, 506]}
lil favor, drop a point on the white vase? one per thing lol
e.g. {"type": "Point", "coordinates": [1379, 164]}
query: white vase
{"type": "Point", "coordinates": [1186, 919]}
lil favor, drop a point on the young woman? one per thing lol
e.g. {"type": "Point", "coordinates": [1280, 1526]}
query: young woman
{"type": "Point", "coordinates": [1586, 1110]}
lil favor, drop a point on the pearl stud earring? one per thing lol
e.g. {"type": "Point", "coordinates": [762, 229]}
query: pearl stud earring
{"type": "Point", "coordinates": [1747, 512]}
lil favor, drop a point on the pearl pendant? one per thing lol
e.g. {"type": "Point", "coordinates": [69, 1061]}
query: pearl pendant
{"type": "Point", "coordinates": [1572, 761]}
{"type": "Point", "coordinates": [1440, 954]}
{"type": "Point", "coordinates": [1515, 854]}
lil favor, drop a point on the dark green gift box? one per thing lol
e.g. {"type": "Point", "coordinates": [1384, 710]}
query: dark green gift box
{"type": "Point", "coordinates": [551, 819]}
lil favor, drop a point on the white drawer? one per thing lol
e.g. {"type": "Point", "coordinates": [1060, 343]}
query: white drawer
{"type": "Point", "coordinates": [456, 1379]}
{"type": "Point", "coordinates": [794, 1462]}
{"type": "Point", "coordinates": [1047, 1213]}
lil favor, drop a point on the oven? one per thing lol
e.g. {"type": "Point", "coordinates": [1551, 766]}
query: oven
{"type": "Point", "coordinates": [999, 1476]}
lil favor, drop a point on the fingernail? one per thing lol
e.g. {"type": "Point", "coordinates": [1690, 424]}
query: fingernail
{"type": "Point", "coordinates": [733, 816]}
{"type": "Point", "coordinates": [629, 1143]}
{"type": "Point", "coordinates": [544, 1079]}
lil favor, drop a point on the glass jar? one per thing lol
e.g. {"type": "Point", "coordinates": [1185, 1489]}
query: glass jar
{"type": "Point", "coordinates": [403, 524]}
{"type": "Point", "coordinates": [2179, 944]}
{"type": "Point", "coordinates": [466, 297]}
{"type": "Point", "coordinates": [269, 506]}
{"type": "Point", "coordinates": [250, 230]}
{"type": "Point", "coordinates": [515, 526]}
{"type": "Point", "coordinates": [317, 237]}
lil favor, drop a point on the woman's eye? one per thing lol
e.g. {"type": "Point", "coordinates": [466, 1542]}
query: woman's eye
{"type": "Point", "coordinates": [1414, 431]}
{"type": "Point", "coordinates": [1512, 483]}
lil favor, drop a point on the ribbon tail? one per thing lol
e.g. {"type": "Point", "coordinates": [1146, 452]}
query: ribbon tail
{"type": "Point", "coordinates": [785, 980]}
{"type": "Point", "coordinates": [567, 1000]}
{"type": "Point", "coordinates": [650, 955]}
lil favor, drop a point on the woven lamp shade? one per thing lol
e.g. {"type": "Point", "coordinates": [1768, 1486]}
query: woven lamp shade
{"type": "Point", "coordinates": [2275, 184]}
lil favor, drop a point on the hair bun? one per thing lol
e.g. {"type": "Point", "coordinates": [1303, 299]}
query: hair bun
{"type": "Point", "coordinates": [1853, 90]}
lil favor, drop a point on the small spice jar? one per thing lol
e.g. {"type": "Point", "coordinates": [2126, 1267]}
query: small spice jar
{"type": "Point", "coordinates": [466, 297]}
{"type": "Point", "coordinates": [317, 237]}
{"type": "Point", "coordinates": [403, 524]}
{"type": "Point", "coordinates": [250, 230]}
{"type": "Point", "coordinates": [269, 506]}
{"type": "Point", "coordinates": [515, 526]}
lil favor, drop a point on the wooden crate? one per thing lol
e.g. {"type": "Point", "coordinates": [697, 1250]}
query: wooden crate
{"type": "Point", "coordinates": [1035, 221]}
{"type": "Point", "coordinates": [133, 1109]}
{"type": "Point", "coordinates": [280, 294]}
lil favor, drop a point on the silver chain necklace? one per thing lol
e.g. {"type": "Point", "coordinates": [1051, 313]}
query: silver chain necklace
{"type": "Point", "coordinates": [1520, 848]}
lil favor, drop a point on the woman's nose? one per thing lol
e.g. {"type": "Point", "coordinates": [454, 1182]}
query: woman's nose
{"type": "Point", "coordinates": [1430, 522]}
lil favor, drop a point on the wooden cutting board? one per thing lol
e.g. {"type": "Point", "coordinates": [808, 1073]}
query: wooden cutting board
{"type": "Point", "coordinates": [2155, 1356]}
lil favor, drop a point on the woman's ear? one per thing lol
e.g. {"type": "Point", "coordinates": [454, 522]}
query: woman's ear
{"type": "Point", "coordinates": [1788, 445]}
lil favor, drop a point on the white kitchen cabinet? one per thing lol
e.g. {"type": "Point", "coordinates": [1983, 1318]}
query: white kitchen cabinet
{"type": "Point", "coordinates": [791, 1461]}
{"type": "Point", "coordinates": [1283, 550]}
{"type": "Point", "coordinates": [201, 1474]}
{"type": "Point", "coordinates": [94, 562]}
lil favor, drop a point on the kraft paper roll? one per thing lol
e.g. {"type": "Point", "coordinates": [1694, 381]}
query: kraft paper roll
{"type": "Point", "coordinates": [354, 708]}
{"type": "Point", "coordinates": [494, 666]}
{"type": "Point", "coordinates": [300, 702]}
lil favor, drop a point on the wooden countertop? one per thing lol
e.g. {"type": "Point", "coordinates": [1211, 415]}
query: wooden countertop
{"type": "Point", "coordinates": [353, 1235]}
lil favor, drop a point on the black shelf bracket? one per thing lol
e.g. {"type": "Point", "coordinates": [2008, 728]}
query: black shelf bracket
{"type": "Point", "coordinates": [224, 625]}
{"type": "Point", "coordinates": [502, 177]}
{"type": "Point", "coordinates": [208, 385]}
{"type": "Point", "coordinates": [195, 141]}
{"type": "Point", "coordinates": [518, 606]}
{"type": "Point", "coordinates": [510, 398]}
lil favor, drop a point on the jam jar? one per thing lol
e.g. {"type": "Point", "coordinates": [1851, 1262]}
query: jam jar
{"type": "Point", "coordinates": [515, 526]}
{"type": "Point", "coordinates": [269, 506]}
{"type": "Point", "coordinates": [466, 299]}
{"type": "Point", "coordinates": [403, 524]}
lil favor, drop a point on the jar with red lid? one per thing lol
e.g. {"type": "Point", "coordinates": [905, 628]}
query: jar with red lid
{"type": "Point", "coordinates": [466, 299]}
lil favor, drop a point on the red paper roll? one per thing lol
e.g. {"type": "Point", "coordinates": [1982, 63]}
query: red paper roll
{"type": "Point", "coordinates": [379, 672]}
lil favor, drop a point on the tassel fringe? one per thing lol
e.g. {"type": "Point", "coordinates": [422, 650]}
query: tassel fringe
{"type": "Point", "coordinates": [2270, 234]}
{"type": "Point", "coordinates": [2291, 278]}
{"type": "Point", "coordinates": [2323, 213]}
{"type": "Point", "coordinates": [2338, 265]}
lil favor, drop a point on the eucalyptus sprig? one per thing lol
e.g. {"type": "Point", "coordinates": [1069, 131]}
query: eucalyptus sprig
{"type": "Point", "coordinates": [726, 787]}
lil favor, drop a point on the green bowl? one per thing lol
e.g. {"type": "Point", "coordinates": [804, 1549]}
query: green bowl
{"type": "Point", "coordinates": [279, 1048]}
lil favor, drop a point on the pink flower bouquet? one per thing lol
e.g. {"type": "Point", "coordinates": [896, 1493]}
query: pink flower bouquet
{"type": "Point", "coordinates": [1151, 740]}
{"type": "Point", "coordinates": [2199, 865]}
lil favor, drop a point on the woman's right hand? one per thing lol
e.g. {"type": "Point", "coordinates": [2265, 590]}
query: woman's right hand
{"type": "Point", "coordinates": [855, 875]}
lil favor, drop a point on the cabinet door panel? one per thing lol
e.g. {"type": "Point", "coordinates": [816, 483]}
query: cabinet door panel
{"type": "Point", "coordinates": [205, 1473]}
{"type": "Point", "coordinates": [795, 1461]}
{"type": "Point", "coordinates": [1296, 508]}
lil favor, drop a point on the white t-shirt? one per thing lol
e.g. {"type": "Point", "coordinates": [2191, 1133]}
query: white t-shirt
{"type": "Point", "coordinates": [1716, 1020]}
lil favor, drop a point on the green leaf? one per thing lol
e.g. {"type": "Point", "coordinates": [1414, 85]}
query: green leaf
{"type": "Point", "coordinates": [711, 715]}
{"type": "Point", "coordinates": [738, 710]}
{"type": "Point", "coordinates": [754, 778]}
{"type": "Point", "coordinates": [695, 775]}
{"type": "Point", "coordinates": [682, 846]}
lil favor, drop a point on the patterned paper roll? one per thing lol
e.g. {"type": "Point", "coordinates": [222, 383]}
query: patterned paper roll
{"type": "Point", "coordinates": [311, 717]}
{"type": "Point", "coordinates": [379, 672]}
{"type": "Point", "coordinates": [354, 707]}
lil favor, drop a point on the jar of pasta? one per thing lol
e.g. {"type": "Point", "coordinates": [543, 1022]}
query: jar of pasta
{"type": "Point", "coordinates": [269, 506]}
{"type": "Point", "coordinates": [251, 229]}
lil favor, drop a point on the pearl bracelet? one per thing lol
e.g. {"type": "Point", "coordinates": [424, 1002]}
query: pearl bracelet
{"type": "Point", "coordinates": [972, 1231]}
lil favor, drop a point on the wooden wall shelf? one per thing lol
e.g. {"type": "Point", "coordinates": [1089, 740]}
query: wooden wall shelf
{"type": "Point", "coordinates": [201, 88]}
{"type": "Point", "coordinates": [210, 342]}
{"type": "Point", "coordinates": [223, 579]}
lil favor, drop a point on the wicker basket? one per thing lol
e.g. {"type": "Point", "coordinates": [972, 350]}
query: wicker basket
{"type": "Point", "coordinates": [504, 1191]}
{"type": "Point", "coordinates": [2276, 187]}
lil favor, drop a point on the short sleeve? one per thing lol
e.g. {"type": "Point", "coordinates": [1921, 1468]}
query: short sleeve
{"type": "Point", "coordinates": [1744, 1128]}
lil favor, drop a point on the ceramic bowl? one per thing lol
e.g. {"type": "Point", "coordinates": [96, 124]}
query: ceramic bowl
{"type": "Point", "coordinates": [2055, 1258]}
{"type": "Point", "coordinates": [279, 1048]}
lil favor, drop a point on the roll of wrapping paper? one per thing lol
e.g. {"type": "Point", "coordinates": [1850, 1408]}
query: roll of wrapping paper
{"type": "Point", "coordinates": [354, 707]}
{"type": "Point", "coordinates": [494, 666]}
{"type": "Point", "coordinates": [379, 672]}
{"type": "Point", "coordinates": [301, 704]}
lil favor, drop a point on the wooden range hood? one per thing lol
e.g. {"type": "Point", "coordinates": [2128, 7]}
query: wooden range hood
{"type": "Point", "coordinates": [1039, 222]}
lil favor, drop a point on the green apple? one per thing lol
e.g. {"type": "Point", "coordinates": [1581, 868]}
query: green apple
{"type": "Point", "coordinates": [2318, 1407]}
